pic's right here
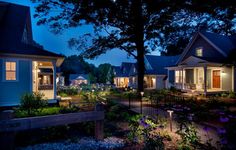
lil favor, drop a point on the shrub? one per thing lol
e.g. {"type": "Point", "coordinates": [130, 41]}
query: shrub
{"type": "Point", "coordinates": [32, 102]}
{"type": "Point", "coordinates": [63, 94]}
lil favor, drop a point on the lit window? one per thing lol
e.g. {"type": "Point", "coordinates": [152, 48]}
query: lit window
{"type": "Point", "coordinates": [178, 76]}
{"type": "Point", "coordinates": [199, 52]}
{"type": "Point", "coordinates": [10, 70]}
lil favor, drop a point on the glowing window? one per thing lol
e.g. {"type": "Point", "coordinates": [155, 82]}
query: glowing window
{"type": "Point", "coordinates": [199, 52]}
{"type": "Point", "coordinates": [10, 70]}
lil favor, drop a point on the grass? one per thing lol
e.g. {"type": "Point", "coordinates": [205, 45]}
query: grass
{"type": "Point", "coordinates": [41, 112]}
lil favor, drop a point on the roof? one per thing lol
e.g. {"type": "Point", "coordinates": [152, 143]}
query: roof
{"type": "Point", "coordinates": [224, 44]}
{"type": "Point", "coordinates": [117, 71]}
{"type": "Point", "coordinates": [158, 63]}
{"type": "Point", "coordinates": [125, 68]}
{"type": "Point", "coordinates": [78, 77]}
{"type": "Point", "coordinates": [13, 21]}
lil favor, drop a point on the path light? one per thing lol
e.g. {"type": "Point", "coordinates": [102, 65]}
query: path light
{"type": "Point", "coordinates": [170, 116]}
{"type": "Point", "coordinates": [92, 90]}
{"type": "Point", "coordinates": [141, 103]}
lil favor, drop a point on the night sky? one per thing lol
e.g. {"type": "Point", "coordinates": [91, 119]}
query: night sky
{"type": "Point", "coordinates": [58, 43]}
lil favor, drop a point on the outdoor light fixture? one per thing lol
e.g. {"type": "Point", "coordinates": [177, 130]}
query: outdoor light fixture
{"type": "Point", "coordinates": [170, 116]}
{"type": "Point", "coordinates": [142, 93]}
{"type": "Point", "coordinates": [38, 70]}
{"type": "Point", "coordinates": [126, 89]}
{"type": "Point", "coordinates": [141, 103]}
{"type": "Point", "coordinates": [92, 90]}
{"type": "Point", "coordinates": [81, 89]}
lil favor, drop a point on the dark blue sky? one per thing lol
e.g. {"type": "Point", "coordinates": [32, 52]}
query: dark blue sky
{"type": "Point", "coordinates": [58, 43]}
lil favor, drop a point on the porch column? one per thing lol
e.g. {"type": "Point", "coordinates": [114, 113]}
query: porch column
{"type": "Point", "coordinates": [54, 79]}
{"type": "Point", "coordinates": [205, 79]}
{"type": "Point", "coordinates": [182, 76]}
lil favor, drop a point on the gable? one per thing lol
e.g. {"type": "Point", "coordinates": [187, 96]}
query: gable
{"type": "Point", "coordinates": [192, 61]}
{"type": "Point", "coordinates": [208, 50]}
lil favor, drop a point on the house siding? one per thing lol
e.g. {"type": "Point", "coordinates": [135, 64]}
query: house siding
{"type": "Point", "coordinates": [208, 50]}
{"type": "Point", "coordinates": [160, 83]}
{"type": "Point", "coordinates": [227, 79]}
{"type": "Point", "coordinates": [11, 92]}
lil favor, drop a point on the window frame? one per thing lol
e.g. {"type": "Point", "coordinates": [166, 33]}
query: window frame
{"type": "Point", "coordinates": [4, 71]}
{"type": "Point", "coordinates": [197, 51]}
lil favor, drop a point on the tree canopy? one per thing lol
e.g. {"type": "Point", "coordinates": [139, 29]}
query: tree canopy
{"type": "Point", "coordinates": [136, 26]}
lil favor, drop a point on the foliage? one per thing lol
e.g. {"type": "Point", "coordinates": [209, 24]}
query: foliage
{"type": "Point", "coordinates": [44, 111]}
{"type": "Point", "coordinates": [103, 72]}
{"type": "Point", "coordinates": [232, 94]}
{"type": "Point", "coordinates": [32, 102]}
{"type": "Point", "coordinates": [141, 128]}
{"type": "Point", "coordinates": [188, 135]}
{"type": "Point", "coordinates": [63, 94]}
{"type": "Point", "coordinates": [72, 109]}
{"type": "Point", "coordinates": [70, 90]}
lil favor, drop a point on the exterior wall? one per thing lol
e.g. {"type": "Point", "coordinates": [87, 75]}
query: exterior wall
{"type": "Point", "coordinates": [160, 83]}
{"type": "Point", "coordinates": [11, 91]}
{"type": "Point", "coordinates": [208, 50]}
{"type": "Point", "coordinates": [227, 79]}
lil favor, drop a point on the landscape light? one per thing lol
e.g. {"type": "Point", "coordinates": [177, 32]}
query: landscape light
{"type": "Point", "coordinates": [142, 93]}
{"type": "Point", "coordinates": [170, 115]}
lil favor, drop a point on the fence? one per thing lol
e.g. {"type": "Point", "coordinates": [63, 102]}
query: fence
{"type": "Point", "coordinates": [10, 125]}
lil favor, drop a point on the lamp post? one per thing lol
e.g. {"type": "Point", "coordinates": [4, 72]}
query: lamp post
{"type": "Point", "coordinates": [170, 117]}
{"type": "Point", "coordinates": [141, 104]}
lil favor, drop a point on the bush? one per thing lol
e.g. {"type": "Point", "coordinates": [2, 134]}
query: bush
{"type": "Point", "coordinates": [68, 90]}
{"type": "Point", "coordinates": [32, 102]}
{"type": "Point", "coordinates": [44, 111]}
{"type": "Point", "coordinates": [63, 94]}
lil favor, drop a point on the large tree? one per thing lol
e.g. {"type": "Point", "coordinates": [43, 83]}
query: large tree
{"type": "Point", "coordinates": [135, 26]}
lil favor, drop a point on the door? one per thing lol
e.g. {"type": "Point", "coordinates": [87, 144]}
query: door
{"type": "Point", "coordinates": [216, 78]}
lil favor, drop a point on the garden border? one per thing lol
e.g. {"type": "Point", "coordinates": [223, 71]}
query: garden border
{"type": "Point", "coordinates": [9, 125]}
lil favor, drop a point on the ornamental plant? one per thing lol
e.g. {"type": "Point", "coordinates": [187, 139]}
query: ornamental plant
{"type": "Point", "coordinates": [32, 102]}
{"type": "Point", "coordinates": [141, 131]}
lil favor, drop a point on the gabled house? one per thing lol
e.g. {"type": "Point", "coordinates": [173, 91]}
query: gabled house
{"type": "Point", "coordinates": [79, 79]}
{"type": "Point", "coordinates": [203, 67]}
{"type": "Point", "coordinates": [156, 74]}
{"type": "Point", "coordinates": [121, 74]}
{"type": "Point", "coordinates": [24, 65]}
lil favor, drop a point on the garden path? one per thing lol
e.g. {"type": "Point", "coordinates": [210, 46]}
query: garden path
{"type": "Point", "coordinates": [205, 132]}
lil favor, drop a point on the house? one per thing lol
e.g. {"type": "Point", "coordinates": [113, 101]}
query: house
{"type": "Point", "coordinates": [203, 67]}
{"type": "Point", "coordinates": [156, 74]}
{"type": "Point", "coordinates": [24, 65]}
{"type": "Point", "coordinates": [78, 79]}
{"type": "Point", "coordinates": [121, 74]}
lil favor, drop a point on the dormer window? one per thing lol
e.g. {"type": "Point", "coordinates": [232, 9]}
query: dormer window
{"type": "Point", "coordinates": [199, 52]}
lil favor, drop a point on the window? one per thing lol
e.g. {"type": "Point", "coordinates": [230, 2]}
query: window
{"type": "Point", "coordinates": [199, 52]}
{"type": "Point", "coordinates": [178, 76]}
{"type": "Point", "coordinates": [10, 68]}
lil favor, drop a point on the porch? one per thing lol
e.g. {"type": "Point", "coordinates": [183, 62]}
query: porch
{"type": "Point", "coordinates": [121, 82]}
{"type": "Point", "coordinates": [44, 78]}
{"type": "Point", "coordinates": [206, 79]}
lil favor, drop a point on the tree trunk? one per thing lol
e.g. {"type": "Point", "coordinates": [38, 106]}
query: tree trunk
{"type": "Point", "coordinates": [139, 40]}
